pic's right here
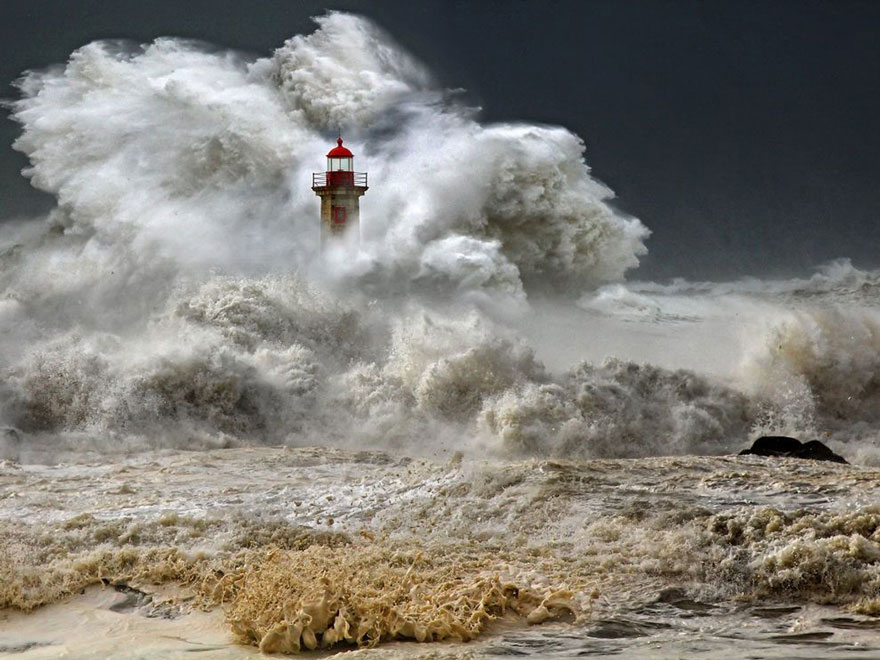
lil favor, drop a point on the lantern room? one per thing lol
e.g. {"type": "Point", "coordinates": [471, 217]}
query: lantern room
{"type": "Point", "coordinates": [340, 159]}
{"type": "Point", "coordinates": [340, 189]}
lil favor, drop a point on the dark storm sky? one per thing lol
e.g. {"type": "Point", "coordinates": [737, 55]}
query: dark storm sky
{"type": "Point", "coordinates": [745, 134]}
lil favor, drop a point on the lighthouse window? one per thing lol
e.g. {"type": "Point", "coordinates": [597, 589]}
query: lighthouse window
{"type": "Point", "coordinates": [339, 164]}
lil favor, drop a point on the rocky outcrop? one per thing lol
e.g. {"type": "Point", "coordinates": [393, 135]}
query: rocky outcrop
{"type": "Point", "coordinates": [780, 445]}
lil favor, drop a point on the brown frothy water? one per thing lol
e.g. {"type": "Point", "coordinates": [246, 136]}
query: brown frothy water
{"type": "Point", "coordinates": [313, 548]}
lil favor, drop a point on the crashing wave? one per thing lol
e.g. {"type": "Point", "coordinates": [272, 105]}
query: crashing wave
{"type": "Point", "coordinates": [160, 299]}
{"type": "Point", "coordinates": [174, 148]}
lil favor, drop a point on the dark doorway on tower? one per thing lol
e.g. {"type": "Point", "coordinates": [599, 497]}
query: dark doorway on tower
{"type": "Point", "coordinates": [337, 218]}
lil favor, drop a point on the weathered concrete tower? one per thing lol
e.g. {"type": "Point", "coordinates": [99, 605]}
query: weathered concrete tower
{"type": "Point", "coordinates": [340, 189]}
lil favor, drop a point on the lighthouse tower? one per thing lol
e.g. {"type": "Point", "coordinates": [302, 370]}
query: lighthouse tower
{"type": "Point", "coordinates": [340, 189]}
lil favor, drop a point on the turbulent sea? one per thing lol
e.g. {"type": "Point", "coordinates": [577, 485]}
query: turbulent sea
{"type": "Point", "coordinates": [476, 431]}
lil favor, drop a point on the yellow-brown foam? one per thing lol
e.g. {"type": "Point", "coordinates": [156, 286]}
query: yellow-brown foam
{"type": "Point", "coordinates": [314, 590]}
{"type": "Point", "coordinates": [287, 601]}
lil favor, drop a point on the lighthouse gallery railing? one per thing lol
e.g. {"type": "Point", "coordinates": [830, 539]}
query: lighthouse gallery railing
{"type": "Point", "coordinates": [354, 179]}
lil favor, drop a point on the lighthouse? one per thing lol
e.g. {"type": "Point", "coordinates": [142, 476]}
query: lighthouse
{"type": "Point", "coordinates": [340, 189]}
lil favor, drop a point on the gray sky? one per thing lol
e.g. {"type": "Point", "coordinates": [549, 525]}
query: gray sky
{"type": "Point", "coordinates": [746, 135]}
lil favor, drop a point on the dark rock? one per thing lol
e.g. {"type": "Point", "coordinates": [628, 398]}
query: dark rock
{"type": "Point", "coordinates": [773, 445]}
{"type": "Point", "coordinates": [819, 452]}
{"type": "Point", "coordinates": [780, 445]}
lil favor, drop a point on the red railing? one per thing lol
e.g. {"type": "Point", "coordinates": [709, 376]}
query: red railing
{"type": "Point", "coordinates": [339, 179]}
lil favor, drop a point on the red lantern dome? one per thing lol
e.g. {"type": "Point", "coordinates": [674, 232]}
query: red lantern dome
{"type": "Point", "coordinates": [339, 151]}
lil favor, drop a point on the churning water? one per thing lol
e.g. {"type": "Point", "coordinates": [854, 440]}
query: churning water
{"type": "Point", "coordinates": [475, 429]}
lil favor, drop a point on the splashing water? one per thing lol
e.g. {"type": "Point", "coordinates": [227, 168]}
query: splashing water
{"type": "Point", "coordinates": [176, 298]}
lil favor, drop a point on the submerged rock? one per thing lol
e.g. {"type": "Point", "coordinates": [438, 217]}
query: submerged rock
{"type": "Point", "coordinates": [780, 445]}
